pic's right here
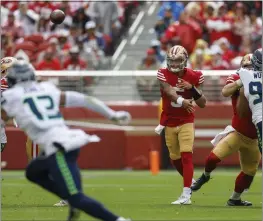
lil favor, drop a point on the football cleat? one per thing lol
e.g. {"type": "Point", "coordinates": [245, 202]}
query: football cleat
{"type": "Point", "coordinates": [122, 219]}
{"type": "Point", "coordinates": [240, 202]}
{"type": "Point", "coordinates": [73, 214]}
{"type": "Point", "coordinates": [200, 182]}
{"type": "Point", "coordinates": [61, 203]}
{"type": "Point", "coordinates": [183, 200]}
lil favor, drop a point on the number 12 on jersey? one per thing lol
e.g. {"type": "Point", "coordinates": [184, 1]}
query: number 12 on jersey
{"type": "Point", "coordinates": [49, 109]}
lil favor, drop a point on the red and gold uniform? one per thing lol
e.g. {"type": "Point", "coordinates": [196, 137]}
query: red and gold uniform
{"type": "Point", "coordinates": [243, 139]}
{"type": "Point", "coordinates": [179, 124]}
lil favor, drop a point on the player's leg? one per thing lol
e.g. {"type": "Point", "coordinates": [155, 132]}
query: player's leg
{"type": "Point", "coordinates": [172, 143]}
{"type": "Point", "coordinates": [37, 172]}
{"type": "Point", "coordinates": [249, 156]}
{"type": "Point", "coordinates": [185, 140]}
{"type": "Point", "coordinates": [259, 132]}
{"type": "Point", "coordinates": [225, 147]}
{"type": "Point", "coordinates": [29, 149]}
{"type": "Point", "coordinates": [65, 173]}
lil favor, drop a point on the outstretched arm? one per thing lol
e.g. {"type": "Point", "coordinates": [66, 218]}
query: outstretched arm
{"type": "Point", "coordinates": [75, 99]}
{"type": "Point", "coordinates": [229, 89]}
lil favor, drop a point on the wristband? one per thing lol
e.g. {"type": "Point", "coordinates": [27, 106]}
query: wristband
{"type": "Point", "coordinates": [180, 100]}
{"type": "Point", "coordinates": [239, 83]}
{"type": "Point", "coordinates": [196, 93]}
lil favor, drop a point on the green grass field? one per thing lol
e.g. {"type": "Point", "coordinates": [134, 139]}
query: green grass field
{"type": "Point", "coordinates": [137, 195]}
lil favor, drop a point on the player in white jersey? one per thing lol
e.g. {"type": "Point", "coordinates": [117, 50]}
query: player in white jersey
{"type": "Point", "coordinates": [251, 92]}
{"type": "Point", "coordinates": [35, 107]}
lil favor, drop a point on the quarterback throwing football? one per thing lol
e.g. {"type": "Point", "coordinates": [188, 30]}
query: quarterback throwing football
{"type": "Point", "coordinates": [180, 86]}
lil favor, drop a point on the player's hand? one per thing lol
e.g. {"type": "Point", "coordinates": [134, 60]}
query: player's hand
{"type": "Point", "coordinates": [184, 84]}
{"type": "Point", "coordinates": [188, 105]}
{"type": "Point", "coordinates": [121, 117]}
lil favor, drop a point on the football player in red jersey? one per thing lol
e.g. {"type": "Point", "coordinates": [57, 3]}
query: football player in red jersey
{"type": "Point", "coordinates": [6, 63]}
{"type": "Point", "coordinates": [240, 137]}
{"type": "Point", "coordinates": [180, 86]}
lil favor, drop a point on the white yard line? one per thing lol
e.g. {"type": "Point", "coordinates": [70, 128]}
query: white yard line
{"type": "Point", "coordinates": [137, 35]}
{"type": "Point", "coordinates": [136, 22]}
{"type": "Point", "coordinates": [119, 50]}
{"type": "Point", "coordinates": [120, 62]}
{"type": "Point", "coordinates": [152, 8]}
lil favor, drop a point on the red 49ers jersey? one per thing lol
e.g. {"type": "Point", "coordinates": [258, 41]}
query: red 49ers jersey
{"type": "Point", "coordinates": [172, 114]}
{"type": "Point", "coordinates": [244, 125]}
{"type": "Point", "coordinates": [4, 84]}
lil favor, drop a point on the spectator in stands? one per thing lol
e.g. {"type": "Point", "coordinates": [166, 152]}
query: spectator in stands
{"type": "Point", "coordinates": [80, 19]}
{"type": "Point", "coordinates": [220, 25]}
{"type": "Point", "coordinates": [74, 32]}
{"type": "Point", "coordinates": [49, 62]}
{"type": "Point", "coordinates": [186, 32]}
{"type": "Point", "coordinates": [93, 38]}
{"type": "Point", "coordinates": [105, 15]}
{"type": "Point", "coordinates": [13, 27]}
{"type": "Point", "coordinates": [43, 26]}
{"type": "Point", "coordinates": [175, 7]}
{"type": "Point", "coordinates": [217, 62]}
{"type": "Point", "coordinates": [160, 55]}
{"type": "Point", "coordinates": [241, 25]}
{"type": "Point", "coordinates": [74, 62]}
{"type": "Point", "coordinates": [147, 85]}
{"type": "Point", "coordinates": [27, 17]}
{"type": "Point", "coordinates": [64, 45]}
{"type": "Point", "coordinates": [256, 30]}
{"type": "Point", "coordinates": [228, 53]}
{"type": "Point", "coordinates": [4, 14]}
{"type": "Point", "coordinates": [160, 28]}
{"type": "Point", "coordinates": [150, 62]}
{"type": "Point", "coordinates": [7, 45]}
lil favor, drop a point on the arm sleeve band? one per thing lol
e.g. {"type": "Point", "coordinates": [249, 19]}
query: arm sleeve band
{"type": "Point", "coordinates": [196, 93]}
{"type": "Point", "coordinates": [75, 99]}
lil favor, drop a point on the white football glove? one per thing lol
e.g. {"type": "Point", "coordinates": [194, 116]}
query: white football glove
{"type": "Point", "coordinates": [121, 117]}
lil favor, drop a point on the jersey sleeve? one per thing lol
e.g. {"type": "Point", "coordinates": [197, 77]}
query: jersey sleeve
{"type": "Point", "coordinates": [232, 78]}
{"type": "Point", "coordinates": [161, 75]}
{"type": "Point", "coordinates": [199, 78]}
{"type": "Point", "coordinates": [50, 87]}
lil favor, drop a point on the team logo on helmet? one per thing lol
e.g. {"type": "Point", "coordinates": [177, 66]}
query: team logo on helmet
{"type": "Point", "coordinates": [176, 58]}
{"type": "Point", "coordinates": [6, 63]}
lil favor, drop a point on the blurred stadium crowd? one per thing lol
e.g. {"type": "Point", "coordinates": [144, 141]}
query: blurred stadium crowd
{"type": "Point", "coordinates": [90, 33]}
{"type": "Point", "coordinates": [215, 34]}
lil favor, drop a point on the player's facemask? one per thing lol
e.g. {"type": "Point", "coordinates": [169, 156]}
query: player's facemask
{"type": "Point", "coordinates": [176, 59]}
{"type": "Point", "coordinates": [176, 65]}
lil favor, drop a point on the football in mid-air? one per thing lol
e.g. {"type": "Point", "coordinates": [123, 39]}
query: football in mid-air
{"type": "Point", "coordinates": [57, 16]}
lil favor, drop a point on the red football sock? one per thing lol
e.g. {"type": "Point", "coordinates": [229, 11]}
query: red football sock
{"type": "Point", "coordinates": [178, 165]}
{"type": "Point", "coordinates": [188, 168]}
{"type": "Point", "coordinates": [243, 181]}
{"type": "Point", "coordinates": [211, 162]}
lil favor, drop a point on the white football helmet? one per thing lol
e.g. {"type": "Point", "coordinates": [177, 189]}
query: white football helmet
{"type": "Point", "coordinates": [6, 63]}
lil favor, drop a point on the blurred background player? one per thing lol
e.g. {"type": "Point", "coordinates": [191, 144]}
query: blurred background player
{"type": "Point", "coordinates": [6, 63]}
{"type": "Point", "coordinates": [179, 86]}
{"type": "Point", "coordinates": [56, 169]}
{"type": "Point", "coordinates": [240, 137]}
{"type": "Point", "coordinates": [251, 93]}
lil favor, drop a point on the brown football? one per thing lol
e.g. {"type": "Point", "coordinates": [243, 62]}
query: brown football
{"type": "Point", "coordinates": [57, 16]}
